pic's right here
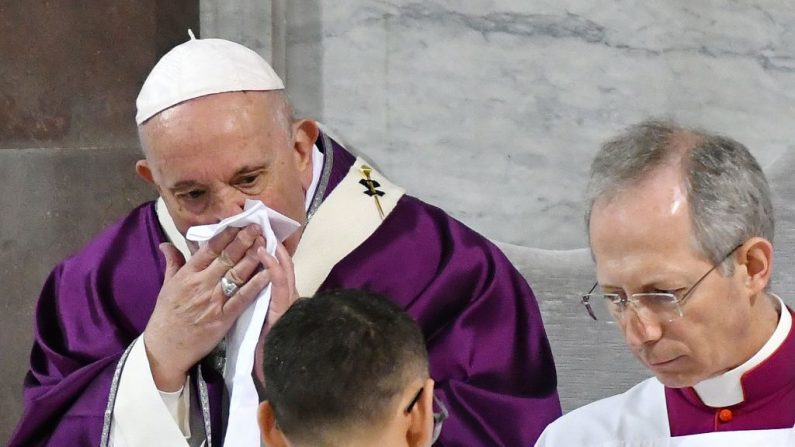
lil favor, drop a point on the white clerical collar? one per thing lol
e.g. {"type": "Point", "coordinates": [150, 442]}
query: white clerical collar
{"type": "Point", "coordinates": [726, 389]}
{"type": "Point", "coordinates": [175, 237]}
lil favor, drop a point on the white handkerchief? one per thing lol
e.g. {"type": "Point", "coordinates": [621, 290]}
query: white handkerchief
{"type": "Point", "coordinates": [242, 339]}
{"type": "Point", "coordinates": [254, 212]}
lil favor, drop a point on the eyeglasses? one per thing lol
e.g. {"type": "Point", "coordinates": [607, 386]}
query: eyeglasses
{"type": "Point", "coordinates": [438, 416]}
{"type": "Point", "coordinates": [663, 307]}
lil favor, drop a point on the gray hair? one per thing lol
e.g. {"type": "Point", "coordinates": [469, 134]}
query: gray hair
{"type": "Point", "coordinates": [283, 115]}
{"type": "Point", "coordinates": [727, 191]}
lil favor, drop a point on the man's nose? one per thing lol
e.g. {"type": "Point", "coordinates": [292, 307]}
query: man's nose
{"type": "Point", "coordinates": [229, 202]}
{"type": "Point", "coordinates": [640, 327]}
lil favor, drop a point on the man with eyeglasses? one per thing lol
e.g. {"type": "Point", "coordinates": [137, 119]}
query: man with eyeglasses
{"type": "Point", "coordinates": [681, 226]}
{"type": "Point", "coordinates": [347, 368]}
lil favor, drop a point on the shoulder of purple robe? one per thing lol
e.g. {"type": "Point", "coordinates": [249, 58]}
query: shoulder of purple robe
{"type": "Point", "coordinates": [92, 306]}
{"type": "Point", "coordinates": [488, 350]}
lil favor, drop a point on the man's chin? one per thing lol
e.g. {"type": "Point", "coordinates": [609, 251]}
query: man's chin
{"type": "Point", "coordinates": [676, 380]}
{"type": "Point", "coordinates": [673, 373]}
{"type": "Point", "coordinates": [673, 382]}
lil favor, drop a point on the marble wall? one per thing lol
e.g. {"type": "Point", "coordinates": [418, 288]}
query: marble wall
{"type": "Point", "coordinates": [492, 109]}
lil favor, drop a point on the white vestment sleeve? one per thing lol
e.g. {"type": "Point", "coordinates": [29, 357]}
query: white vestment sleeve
{"type": "Point", "coordinates": [142, 415]}
{"type": "Point", "coordinates": [178, 404]}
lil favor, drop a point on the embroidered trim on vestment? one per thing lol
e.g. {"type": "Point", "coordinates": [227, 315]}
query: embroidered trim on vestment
{"type": "Point", "coordinates": [325, 174]}
{"type": "Point", "coordinates": [114, 388]}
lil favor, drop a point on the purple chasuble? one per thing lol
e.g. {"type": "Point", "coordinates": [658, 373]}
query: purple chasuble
{"type": "Point", "coordinates": [488, 350]}
{"type": "Point", "coordinates": [769, 399]}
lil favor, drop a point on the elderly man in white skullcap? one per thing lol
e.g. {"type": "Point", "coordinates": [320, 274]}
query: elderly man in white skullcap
{"type": "Point", "coordinates": [149, 335]}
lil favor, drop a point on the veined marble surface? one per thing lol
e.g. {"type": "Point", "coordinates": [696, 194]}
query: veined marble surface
{"type": "Point", "coordinates": [244, 21]}
{"type": "Point", "coordinates": [493, 109]}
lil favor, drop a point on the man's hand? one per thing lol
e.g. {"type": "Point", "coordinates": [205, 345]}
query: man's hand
{"type": "Point", "coordinates": [283, 295]}
{"type": "Point", "coordinates": [282, 276]}
{"type": "Point", "coordinates": [192, 314]}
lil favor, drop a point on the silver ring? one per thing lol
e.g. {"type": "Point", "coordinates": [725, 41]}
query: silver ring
{"type": "Point", "coordinates": [228, 287]}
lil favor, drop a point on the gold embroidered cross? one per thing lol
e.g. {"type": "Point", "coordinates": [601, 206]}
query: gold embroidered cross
{"type": "Point", "coordinates": [371, 188]}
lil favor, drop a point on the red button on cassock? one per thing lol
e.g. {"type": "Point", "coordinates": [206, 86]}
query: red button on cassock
{"type": "Point", "coordinates": [725, 415]}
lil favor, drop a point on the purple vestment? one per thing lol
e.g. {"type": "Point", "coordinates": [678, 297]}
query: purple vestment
{"type": "Point", "coordinates": [768, 389]}
{"type": "Point", "coordinates": [488, 350]}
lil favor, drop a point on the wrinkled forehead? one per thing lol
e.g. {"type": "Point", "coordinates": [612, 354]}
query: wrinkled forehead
{"type": "Point", "coordinates": [218, 119]}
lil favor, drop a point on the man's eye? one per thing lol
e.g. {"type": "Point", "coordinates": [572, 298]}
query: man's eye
{"type": "Point", "coordinates": [615, 298]}
{"type": "Point", "coordinates": [248, 180]}
{"type": "Point", "coordinates": [667, 291]}
{"type": "Point", "coordinates": [616, 301]}
{"type": "Point", "coordinates": [249, 183]}
{"type": "Point", "coordinates": [192, 195]}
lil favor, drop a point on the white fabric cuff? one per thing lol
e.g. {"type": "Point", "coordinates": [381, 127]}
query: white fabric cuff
{"type": "Point", "coordinates": [178, 404]}
{"type": "Point", "coordinates": [141, 416]}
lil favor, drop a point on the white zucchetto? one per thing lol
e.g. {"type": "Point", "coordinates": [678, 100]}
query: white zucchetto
{"type": "Point", "coordinates": [201, 67]}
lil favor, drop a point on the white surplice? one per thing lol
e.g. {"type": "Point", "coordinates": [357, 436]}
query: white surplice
{"type": "Point", "coordinates": [639, 417]}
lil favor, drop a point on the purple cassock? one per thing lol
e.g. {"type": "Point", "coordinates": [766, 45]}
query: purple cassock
{"type": "Point", "coordinates": [488, 350]}
{"type": "Point", "coordinates": [768, 399]}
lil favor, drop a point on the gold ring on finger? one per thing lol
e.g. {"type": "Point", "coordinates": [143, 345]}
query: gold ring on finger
{"type": "Point", "coordinates": [232, 276]}
{"type": "Point", "coordinates": [224, 259]}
